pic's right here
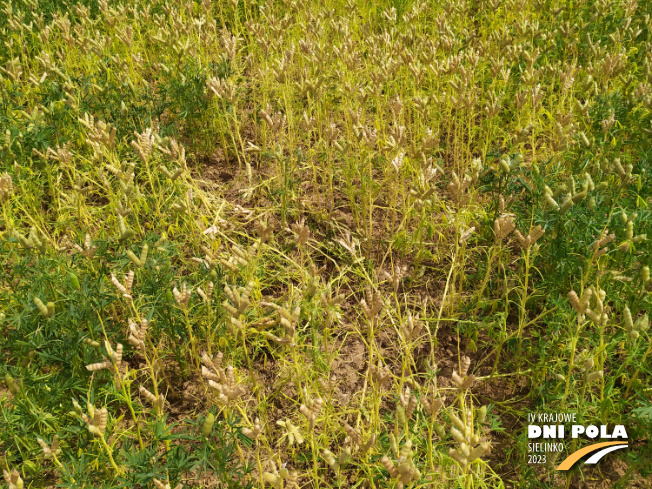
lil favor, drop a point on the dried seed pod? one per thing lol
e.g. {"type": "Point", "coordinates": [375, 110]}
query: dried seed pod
{"type": "Point", "coordinates": [124, 289]}
{"type": "Point", "coordinates": [330, 460]}
{"type": "Point", "coordinates": [503, 226]}
{"type": "Point", "coordinates": [372, 304]}
{"type": "Point", "coordinates": [252, 433]}
{"type": "Point", "coordinates": [182, 296]}
{"type": "Point", "coordinates": [13, 479]}
{"type": "Point", "coordinates": [389, 466]}
{"type": "Point", "coordinates": [104, 417]}
{"type": "Point", "coordinates": [6, 186]}
{"type": "Point", "coordinates": [353, 435]}
{"type": "Point", "coordinates": [94, 367]}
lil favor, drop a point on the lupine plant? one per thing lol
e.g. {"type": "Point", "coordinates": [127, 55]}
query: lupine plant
{"type": "Point", "coordinates": [321, 244]}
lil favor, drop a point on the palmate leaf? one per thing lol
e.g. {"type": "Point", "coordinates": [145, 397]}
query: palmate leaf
{"type": "Point", "coordinates": [644, 413]}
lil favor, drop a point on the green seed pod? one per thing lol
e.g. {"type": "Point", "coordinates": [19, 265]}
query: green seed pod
{"type": "Point", "coordinates": [482, 414]}
{"type": "Point", "coordinates": [560, 377]}
{"type": "Point", "coordinates": [639, 238]}
{"type": "Point", "coordinates": [645, 274]}
{"type": "Point", "coordinates": [41, 307]}
{"type": "Point", "coordinates": [208, 424]}
{"type": "Point", "coordinates": [400, 415]}
{"type": "Point", "coordinates": [571, 182]}
{"type": "Point", "coordinates": [589, 182]}
{"type": "Point", "coordinates": [627, 315]}
{"type": "Point", "coordinates": [585, 141]}
{"type": "Point", "coordinates": [593, 376]}
{"type": "Point", "coordinates": [73, 280]}
{"type": "Point", "coordinates": [28, 358]}
{"type": "Point", "coordinates": [168, 296]}
{"type": "Point", "coordinates": [77, 407]}
{"type": "Point", "coordinates": [630, 230]}
{"type": "Point", "coordinates": [633, 335]}
{"type": "Point", "coordinates": [440, 431]}
{"type": "Point", "coordinates": [567, 204]}
{"type": "Point", "coordinates": [551, 201]}
{"type": "Point", "coordinates": [624, 218]}
{"type": "Point", "coordinates": [457, 435]}
{"type": "Point", "coordinates": [50, 309]}
{"type": "Point", "coordinates": [642, 323]}
{"type": "Point", "coordinates": [11, 385]}
{"type": "Point", "coordinates": [393, 444]}
{"type": "Point", "coordinates": [134, 259]}
{"type": "Point", "coordinates": [602, 186]}
{"type": "Point", "coordinates": [559, 190]}
{"type": "Point", "coordinates": [579, 196]}
{"type": "Point", "coordinates": [89, 342]}
{"type": "Point", "coordinates": [213, 274]}
{"type": "Point", "coordinates": [591, 204]}
{"type": "Point", "coordinates": [143, 254]}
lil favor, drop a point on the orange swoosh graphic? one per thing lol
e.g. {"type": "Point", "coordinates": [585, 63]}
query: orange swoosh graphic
{"type": "Point", "coordinates": [575, 456]}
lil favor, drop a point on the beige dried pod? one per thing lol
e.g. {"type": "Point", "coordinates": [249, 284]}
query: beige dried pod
{"type": "Point", "coordinates": [503, 226]}
{"type": "Point", "coordinates": [144, 143]}
{"type": "Point", "coordinates": [13, 479]}
{"type": "Point", "coordinates": [182, 296]}
{"type": "Point", "coordinates": [412, 328]}
{"type": "Point", "coordinates": [103, 420]}
{"type": "Point", "coordinates": [353, 435]}
{"type": "Point", "coordinates": [575, 301]}
{"type": "Point", "coordinates": [372, 304]}
{"type": "Point", "coordinates": [328, 456]}
{"type": "Point", "coordinates": [462, 381]}
{"type": "Point", "coordinates": [239, 296]}
{"type": "Point", "coordinates": [6, 187]}
{"type": "Point", "coordinates": [126, 288]}
{"type": "Point", "coordinates": [89, 248]}
{"type": "Point", "coordinates": [312, 409]}
{"type": "Point", "coordinates": [302, 232]}
{"type": "Point", "coordinates": [389, 466]}
{"type": "Point", "coordinates": [137, 333]}
{"type": "Point", "coordinates": [467, 234]}
{"type": "Point", "coordinates": [380, 373]}
{"type": "Point", "coordinates": [166, 485]}
{"type": "Point", "coordinates": [47, 452]}
{"type": "Point", "coordinates": [94, 367]}
{"type": "Point", "coordinates": [254, 432]}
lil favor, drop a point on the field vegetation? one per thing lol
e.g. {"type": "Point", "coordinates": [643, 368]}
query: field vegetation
{"type": "Point", "coordinates": [304, 244]}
